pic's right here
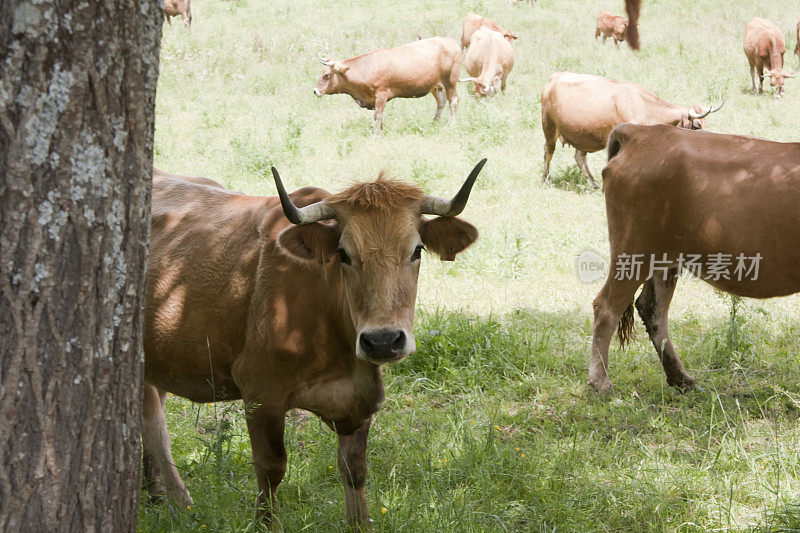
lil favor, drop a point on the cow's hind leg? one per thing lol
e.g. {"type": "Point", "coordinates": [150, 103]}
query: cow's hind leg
{"type": "Point", "coordinates": [269, 454]}
{"type": "Point", "coordinates": [613, 308]}
{"type": "Point", "coordinates": [550, 131]}
{"type": "Point", "coordinates": [580, 157]}
{"type": "Point", "coordinates": [159, 468]}
{"type": "Point", "coordinates": [452, 97]}
{"type": "Point", "coordinates": [353, 467]}
{"type": "Point", "coordinates": [653, 306]}
{"type": "Point", "coordinates": [441, 101]}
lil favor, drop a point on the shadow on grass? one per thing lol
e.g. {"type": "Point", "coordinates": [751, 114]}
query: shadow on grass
{"type": "Point", "coordinates": [571, 179]}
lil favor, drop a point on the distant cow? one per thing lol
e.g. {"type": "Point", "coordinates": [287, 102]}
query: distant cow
{"type": "Point", "coordinates": [582, 109]}
{"type": "Point", "coordinates": [285, 302]}
{"type": "Point", "coordinates": [797, 46]}
{"type": "Point", "coordinates": [426, 66]}
{"type": "Point", "coordinates": [721, 206]}
{"type": "Point", "coordinates": [764, 47]}
{"type": "Point", "coordinates": [489, 60]}
{"type": "Point", "coordinates": [174, 8]}
{"type": "Point", "coordinates": [609, 25]}
{"type": "Point", "coordinates": [473, 22]}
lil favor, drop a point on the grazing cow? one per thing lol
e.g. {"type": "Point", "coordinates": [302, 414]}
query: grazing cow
{"type": "Point", "coordinates": [489, 60]}
{"type": "Point", "coordinates": [473, 22]}
{"type": "Point", "coordinates": [722, 206]}
{"type": "Point", "coordinates": [764, 47]}
{"type": "Point", "coordinates": [426, 66]}
{"type": "Point", "coordinates": [610, 25]}
{"type": "Point", "coordinates": [174, 8]}
{"type": "Point", "coordinates": [285, 307]}
{"type": "Point", "coordinates": [633, 8]}
{"type": "Point", "coordinates": [582, 109]}
{"type": "Point", "coordinates": [797, 46]}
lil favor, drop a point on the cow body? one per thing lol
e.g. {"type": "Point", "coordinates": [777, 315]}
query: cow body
{"type": "Point", "coordinates": [173, 8]}
{"type": "Point", "coordinates": [426, 66]}
{"type": "Point", "coordinates": [488, 61]}
{"type": "Point", "coordinates": [764, 47]}
{"type": "Point", "coordinates": [582, 109]}
{"type": "Point", "coordinates": [709, 194]}
{"type": "Point", "coordinates": [241, 303]}
{"type": "Point", "coordinates": [473, 22]}
{"type": "Point", "coordinates": [609, 25]}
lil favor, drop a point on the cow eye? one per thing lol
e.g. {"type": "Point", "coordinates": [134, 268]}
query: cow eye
{"type": "Point", "coordinates": [326, 76]}
{"type": "Point", "coordinates": [417, 255]}
{"type": "Point", "coordinates": [343, 257]}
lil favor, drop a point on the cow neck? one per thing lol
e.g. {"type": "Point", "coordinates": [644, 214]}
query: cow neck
{"type": "Point", "coordinates": [775, 59]}
{"type": "Point", "coordinates": [338, 306]}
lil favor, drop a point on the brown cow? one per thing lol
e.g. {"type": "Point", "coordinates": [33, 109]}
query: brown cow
{"type": "Point", "coordinates": [764, 47]}
{"type": "Point", "coordinates": [197, 180]}
{"type": "Point", "coordinates": [722, 206]}
{"type": "Point", "coordinates": [174, 8]}
{"type": "Point", "coordinates": [473, 22]}
{"type": "Point", "coordinates": [610, 25]}
{"type": "Point", "coordinates": [582, 109]}
{"type": "Point", "coordinates": [489, 60]}
{"type": "Point", "coordinates": [427, 66]}
{"type": "Point", "coordinates": [285, 307]}
{"type": "Point", "coordinates": [797, 46]}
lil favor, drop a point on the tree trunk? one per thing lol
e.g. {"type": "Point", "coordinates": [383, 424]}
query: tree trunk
{"type": "Point", "coordinates": [77, 110]}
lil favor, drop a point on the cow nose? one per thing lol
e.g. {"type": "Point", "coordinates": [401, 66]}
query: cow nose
{"type": "Point", "coordinates": [317, 92]}
{"type": "Point", "coordinates": [383, 343]}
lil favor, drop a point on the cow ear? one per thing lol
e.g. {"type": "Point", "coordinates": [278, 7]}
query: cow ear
{"type": "Point", "coordinates": [447, 236]}
{"type": "Point", "coordinates": [341, 69]}
{"type": "Point", "coordinates": [309, 243]}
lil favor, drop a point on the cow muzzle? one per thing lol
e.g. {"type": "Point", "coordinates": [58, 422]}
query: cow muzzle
{"type": "Point", "coordinates": [317, 92]}
{"type": "Point", "coordinates": [386, 345]}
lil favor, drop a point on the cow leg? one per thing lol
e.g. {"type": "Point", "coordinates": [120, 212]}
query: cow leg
{"type": "Point", "coordinates": [503, 82]}
{"type": "Point", "coordinates": [353, 467]}
{"type": "Point", "coordinates": [596, 34]}
{"type": "Point", "coordinates": [550, 135]}
{"type": "Point", "coordinates": [185, 20]}
{"type": "Point", "coordinates": [452, 98]}
{"type": "Point", "coordinates": [441, 101]}
{"type": "Point", "coordinates": [753, 77]}
{"type": "Point", "coordinates": [159, 467]}
{"type": "Point", "coordinates": [265, 427]}
{"type": "Point", "coordinates": [380, 104]}
{"type": "Point", "coordinates": [653, 306]}
{"type": "Point", "coordinates": [580, 157]}
{"type": "Point", "coordinates": [168, 19]}
{"type": "Point", "coordinates": [614, 300]}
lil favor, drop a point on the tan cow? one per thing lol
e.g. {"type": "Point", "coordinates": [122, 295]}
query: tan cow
{"type": "Point", "coordinates": [489, 60]}
{"type": "Point", "coordinates": [764, 47]}
{"type": "Point", "coordinates": [173, 8]}
{"type": "Point", "coordinates": [721, 206]}
{"type": "Point", "coordinates": [285, 302]}
{"type": "Point", "coordinates": [582, 109]}
{"type": "Point", "coordinates": [610, 25]}
{"type": "Point", "coordinates": [426, 66]}
{"type": "Point", "coordinates": [473, 22]}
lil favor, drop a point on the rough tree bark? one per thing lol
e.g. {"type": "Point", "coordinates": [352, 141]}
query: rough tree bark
{"type": "Point", "coordinates": [77, 109]}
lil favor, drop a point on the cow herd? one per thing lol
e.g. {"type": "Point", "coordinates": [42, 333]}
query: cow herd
{"type": "Point", "coordinates": [295, 301]}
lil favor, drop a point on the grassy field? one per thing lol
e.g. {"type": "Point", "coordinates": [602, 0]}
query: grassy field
{"type": "Point", "coordinates": [490, 426]}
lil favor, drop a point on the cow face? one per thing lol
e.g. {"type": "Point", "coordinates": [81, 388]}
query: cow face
{"type": "Point", "coordinates": [776, 79]}
{"type": "Point", "coordinates": [374, 249]}
{"type": "Point", "coordinates": [329, 81]}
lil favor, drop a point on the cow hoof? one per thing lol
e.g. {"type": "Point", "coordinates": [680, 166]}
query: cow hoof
{"type": "Point", "coordinates": [685, 384]}
{"type": "Point", "coordinates": [183, 499]}
{"type": "Point", "coordinates": [601, 386]}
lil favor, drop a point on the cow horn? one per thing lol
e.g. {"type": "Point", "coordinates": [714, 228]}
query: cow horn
{"type": "Point", "coordinates": [706, 111]}
{"type": "Point", "coordinates": [788, 74]}
{"type": "Point", "coordinates": [325, 61]}
{"type": "Point", "coordinates": [431, 205]}
{"type": "Point", "coordinates": [301, 215]}
{"type": "Point", "coordinates": [466, 79]}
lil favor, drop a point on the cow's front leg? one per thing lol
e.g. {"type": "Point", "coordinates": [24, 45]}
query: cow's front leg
{"type": "Point", "coordinates": [441, 100]}
{"type": "Point", "coordinates": [269, 454]}
{"type": "Point", "coordinates": [380, 104]}
{"type": "Point", "coordinates": [353, 467]}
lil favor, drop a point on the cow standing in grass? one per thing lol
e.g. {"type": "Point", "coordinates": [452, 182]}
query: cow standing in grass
{"type": "Point", "coordinates": [582, 109]}
{"type": "Point", "coordinates": [473, 22]}
{"type": "Point", "coordinates": [672, 194]}
{"type": "Point", "coordinates": [426, 66]}
{"type": "Point", "coordinates": [182, 8]}
{"type": "Point", "coordinates": [764, 46]}
{"type": "Point", "coordinates": [489, 60]}
{"type": "Point", "coordinates": [286, 302]}
{"type": "Point", "coordinates": [610, 25]}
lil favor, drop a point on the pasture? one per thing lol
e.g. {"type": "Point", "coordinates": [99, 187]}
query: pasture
{"type": "Point", "coordinates": [490, 425]}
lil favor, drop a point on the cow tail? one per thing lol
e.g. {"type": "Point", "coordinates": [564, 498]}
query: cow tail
{"type": "Point", "coordinates": [632, 33]}
{"type": "Point", "coordinates": [625, 331]}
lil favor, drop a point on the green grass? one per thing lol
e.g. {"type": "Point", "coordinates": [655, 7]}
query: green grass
{"type": "Point", "coordinates": [490, 425]}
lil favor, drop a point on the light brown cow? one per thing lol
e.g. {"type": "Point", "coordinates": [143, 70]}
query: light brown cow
{"type": "Point", "coordinates": [426, 66]}
{"type": "Point", "coordinates": [285, 307]}
{"type": "Point", "coordinates": [582, 109]}
{"type": "Point", "coordinates": [610, 25]}
{"type": "Point", "coordinates": [677, 198]}
{"type": "Point", "coordinates": [174, 8]}
{"type": "Point", "coordinates": [764, 47]}
{"type": "Point", "coordinates": [489, 60]}
{"type": "Point", "coordinates": [473, 22]}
